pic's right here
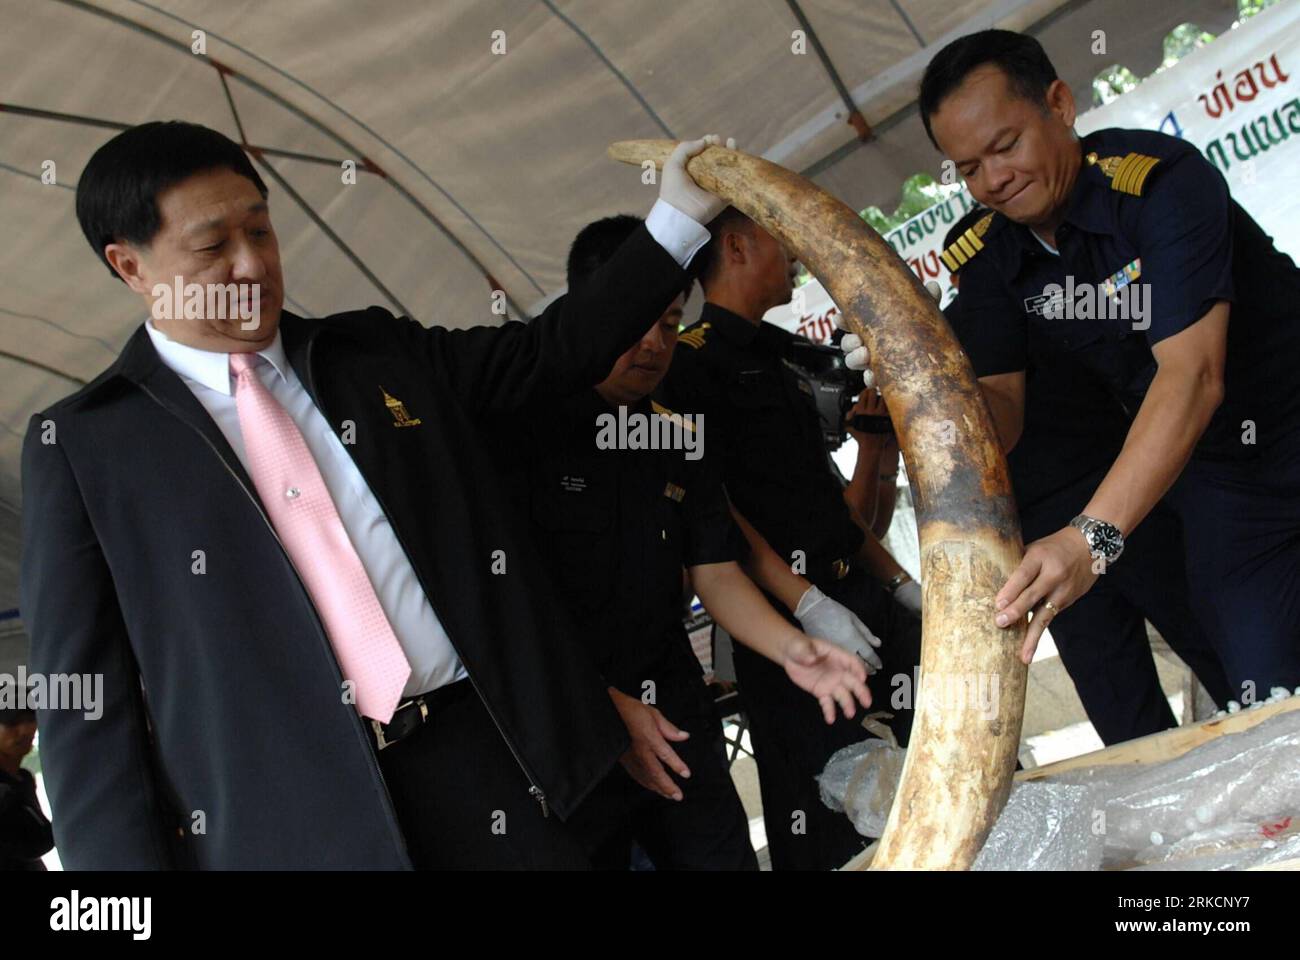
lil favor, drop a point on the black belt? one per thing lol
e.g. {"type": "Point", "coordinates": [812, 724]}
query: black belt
{"type": "Point", "coordinates": [412, 714]}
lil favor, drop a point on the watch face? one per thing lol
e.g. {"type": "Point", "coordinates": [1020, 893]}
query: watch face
{"type": "Point", "coordinates": [1106, 539]}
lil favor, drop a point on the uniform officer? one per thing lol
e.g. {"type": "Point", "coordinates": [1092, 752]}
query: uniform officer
{"type": "Point", "coordinates": [1123, 255]}
{"type": "Point", "coordinates": [1072, 433]}
{"type": "Point", "coordinates": [618, 499]}
{"type": "Point", "coordinates": [765, 435]}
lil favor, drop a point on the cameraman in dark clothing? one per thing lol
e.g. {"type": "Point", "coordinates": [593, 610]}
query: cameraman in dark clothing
{"type": "Point", "coordinates": [765, 430]}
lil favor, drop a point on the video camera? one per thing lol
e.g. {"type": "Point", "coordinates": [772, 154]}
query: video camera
{"type": "Point", "coordinates": [833, 387]}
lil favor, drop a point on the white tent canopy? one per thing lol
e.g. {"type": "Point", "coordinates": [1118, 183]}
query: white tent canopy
{"type": "Point", "coordinates": [476, 167]}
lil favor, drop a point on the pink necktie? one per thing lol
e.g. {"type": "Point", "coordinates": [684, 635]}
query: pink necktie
{"type": "Point", "coordinates": [303, 514]}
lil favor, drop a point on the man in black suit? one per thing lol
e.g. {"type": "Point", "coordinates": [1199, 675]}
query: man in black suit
{"type": "Point", "coordinates": [218, 520]}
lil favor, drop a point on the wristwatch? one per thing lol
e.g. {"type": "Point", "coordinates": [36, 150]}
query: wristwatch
{"type": "Point", "coordinates": [896, 581]}
{"type": "Point", "coordinates": [1104, 539]}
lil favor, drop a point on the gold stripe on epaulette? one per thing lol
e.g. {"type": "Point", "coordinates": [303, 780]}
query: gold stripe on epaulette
{"type": "Point", "coordinates": [694, 338]}
{"type": "Point", "coordinates": [1127, 174]}
{"type": "Point", "coordinates": [967, 245]}
{"type": "Point", "coordinates": [659, 408]}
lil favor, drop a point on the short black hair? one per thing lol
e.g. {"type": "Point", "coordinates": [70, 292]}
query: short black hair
{"type": "Point", "coordinates": [597, 242]}
{"type": "Point", "coordinates": [706, 262]}
{"type": "Point", "coordinates": [967, 221]}
{"type": "Point", "coordinates": [117, 195]}
{"type": "Point", "coordinates": [13, 716]}
{"type": "Point", "coordinates": [1018, 55]}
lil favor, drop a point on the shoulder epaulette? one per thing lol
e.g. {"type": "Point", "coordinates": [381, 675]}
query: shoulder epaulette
{"type": "Point", "coordinates": [967, 245]}
{"type": "Point", "coordinates": [1127, 174]}
{"type": "Point", "coordinates": [661, 410]}
{"type": "Point", "coordinates": [694, 337]}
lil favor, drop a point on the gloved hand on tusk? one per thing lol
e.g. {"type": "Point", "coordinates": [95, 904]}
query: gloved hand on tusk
{"type": "Point", "coordinates": [681, 191]}
{"type": "Point", "coordinates": [856, 354]}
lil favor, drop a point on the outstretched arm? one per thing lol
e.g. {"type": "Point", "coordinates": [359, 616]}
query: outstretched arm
{"type": "Point", "coordinates": [831, 675]}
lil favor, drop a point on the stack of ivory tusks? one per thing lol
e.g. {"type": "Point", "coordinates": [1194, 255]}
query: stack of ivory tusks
{"type": "Point", "coordinates": [967, 729]}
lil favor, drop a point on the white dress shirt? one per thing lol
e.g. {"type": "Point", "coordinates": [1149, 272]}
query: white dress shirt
{"type": "Point", "coordinates": [433, 660]}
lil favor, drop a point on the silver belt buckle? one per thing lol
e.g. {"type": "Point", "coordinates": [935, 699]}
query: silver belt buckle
{"type": "Point", "coordinates": [378, 727]}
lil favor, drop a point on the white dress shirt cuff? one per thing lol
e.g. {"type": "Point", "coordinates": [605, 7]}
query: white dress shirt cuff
{"type": "Point", "coordinates": [677, 233]}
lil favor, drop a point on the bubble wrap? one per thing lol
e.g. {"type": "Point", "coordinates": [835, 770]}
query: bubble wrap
{"type": "Point", "coordinates": [1228, 804]}
{"type": "Point", "coordinates": [1045, 826]}
{"type": "Point", "coordinates": [1228, 796]}
{"type": "Point", "coordinates": [1227, 855]}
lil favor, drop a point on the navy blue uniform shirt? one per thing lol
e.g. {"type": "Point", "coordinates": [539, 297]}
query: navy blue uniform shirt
{"type": "Point", "coordinates": [1072, 428]}
{"type": "Point", "coordinates": [1149, 209]}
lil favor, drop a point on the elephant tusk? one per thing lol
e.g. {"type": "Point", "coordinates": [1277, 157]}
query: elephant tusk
{"type": "Point", "coordinates": [961, 758]}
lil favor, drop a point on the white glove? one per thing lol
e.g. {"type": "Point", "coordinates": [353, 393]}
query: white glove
{"type": "Point", "coordinates": [822, 617]}
{"type": "Point", "coordinates": [909, 596]}
{"type": "Point", "coordinates": [677, 188]}
{"type": "Point", "coordinates": [856, 354]}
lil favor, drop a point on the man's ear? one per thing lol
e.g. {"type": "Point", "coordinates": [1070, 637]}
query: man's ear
{"type": "Point", "coordinates": [1060, 101]}
{"type": "Point", "coordinates": [129, 264]}
{"type": "Point", "coordinates": [734, 246]}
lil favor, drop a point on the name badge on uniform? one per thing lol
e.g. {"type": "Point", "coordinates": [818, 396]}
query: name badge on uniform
{"type": "Point", "coordinates": [572, 484]}
{"type": "Point", "coordinates": [674, 493]}
{"type": "Point", "coordinates": [1045, 304]}
{"type": "Point", "coordinates": [401, 418]}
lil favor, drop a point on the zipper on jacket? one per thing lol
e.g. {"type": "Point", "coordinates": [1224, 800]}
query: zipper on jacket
{"type": "Point", "coordinates": [534, 790]}
{"type": "Point", "coordinates": [358, 727]}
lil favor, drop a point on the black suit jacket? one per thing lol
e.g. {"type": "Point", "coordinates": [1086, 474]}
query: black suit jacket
{"type": "Point", "coordinates": [224, 741]}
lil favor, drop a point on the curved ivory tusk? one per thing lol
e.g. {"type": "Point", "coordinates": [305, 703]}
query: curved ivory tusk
{"type": "Point", "coordinates": [962, 753]}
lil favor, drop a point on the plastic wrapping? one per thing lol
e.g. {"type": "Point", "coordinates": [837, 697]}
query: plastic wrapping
{"type": "Point", "coordinates": [1045, 826]}
{"type": "Point", "coordinates": [1229, 797]}
{"type": "Point", "coordinates": [861, 780]}
{"type": "Point", "coordinates": [1232, 857]}
{"type": "Point", "coordinates": [1228, 804]}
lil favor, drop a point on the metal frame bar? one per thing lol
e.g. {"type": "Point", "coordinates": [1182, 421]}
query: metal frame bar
{"type": "Point", "coordinates": [855, 118]}
{"type": "Point", "coordinates": [321, 127]}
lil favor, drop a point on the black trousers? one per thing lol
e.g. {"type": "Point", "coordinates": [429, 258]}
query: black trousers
{"type": "Point", "coordinates": [1102, 637]}
{"type": "Point", "coordinates": [792, 741]}
{"type": "Point", "coordinates": [707, 829]}
{"type": "Point", "coordinates": [1241, 522]}
{"type": "Point", "coordinates": [462, 799]}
